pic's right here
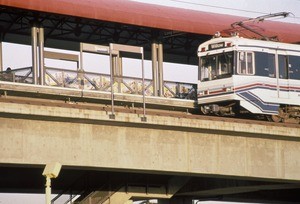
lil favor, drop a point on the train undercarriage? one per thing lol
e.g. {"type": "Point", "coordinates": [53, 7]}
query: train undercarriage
{"type": "Point", "coordinates": [287, 113]}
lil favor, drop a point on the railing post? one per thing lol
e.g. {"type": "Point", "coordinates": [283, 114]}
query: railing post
{"type": "Point", "coordinates": [80, 77]}
{"type": "Point", "coordinates": [34, 54]}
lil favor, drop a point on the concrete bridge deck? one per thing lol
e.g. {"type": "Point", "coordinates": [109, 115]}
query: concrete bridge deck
{"type": "Point", "coordinates": [38, 131]}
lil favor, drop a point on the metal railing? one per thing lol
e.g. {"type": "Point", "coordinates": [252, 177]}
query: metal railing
{"type": "Point", "coordinates": [80, 79]}
{"type": "Point", "coordinates": [122, 84]}
{"type": "Point", "coordinates": [180, 90]}
{"type": "Point", "coordinates": [20, 75]}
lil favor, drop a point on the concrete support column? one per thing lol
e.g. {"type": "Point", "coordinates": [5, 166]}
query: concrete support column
{"type": "Point", "coordinates": [37, 44]}
{"type": "Point", "coordinates": [34, 55]}
{"type": "Point", "coordinates": [41, 56]}
{"type": "Point", "coordinates": [160, 69]}
{"type": "Point", "coordinates": [48, 190]}
{"type": "Point", "coordinates": [157, 69]}
{"type": "Point", "coordinates": [112, 78]}
{"type": "Point", "coordinates": [144, 94]}
{"type": "Point", "coordinates": [154, 47]}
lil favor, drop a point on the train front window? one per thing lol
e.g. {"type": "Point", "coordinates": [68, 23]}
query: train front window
{"type": "Point", "coordinates": [216, 66]}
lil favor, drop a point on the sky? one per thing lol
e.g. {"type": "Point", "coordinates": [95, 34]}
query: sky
{"type": "Point", "coordinates": [247, 8]}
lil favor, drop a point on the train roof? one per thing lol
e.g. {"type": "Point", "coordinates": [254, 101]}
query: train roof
{"type": "Point", "coordinates": [242, 42]}
{"type": "Point", "coordinates": [154, 16]}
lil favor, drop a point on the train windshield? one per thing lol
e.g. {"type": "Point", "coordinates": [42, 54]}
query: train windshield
{"type": "Point", "coordinates": [216, 66]}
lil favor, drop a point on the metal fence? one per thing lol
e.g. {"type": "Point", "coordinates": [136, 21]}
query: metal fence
{"type": "Point", "coordinates": [21, 75]}
{"type": "Point", "coordinates": [100, 82]}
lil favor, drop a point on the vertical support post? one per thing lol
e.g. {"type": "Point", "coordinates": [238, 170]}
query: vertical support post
{"type": "Point", "coordinates": [34, 54]}
{"type": "Point", "coordinates": [154, 67]}
{"type": "Point", "coordinates": [114, 70]}
{"type": "Point", "coordinates": [48, 190]}
{"type": "Point", "coordinates": [119, 72]}
{"type": "Point", "coordinates": [1, 62]}
{"type": "Point", "coordinates": [51, 171]}
{"type": "Point", "coordinates": [120, 63]}
{"type": "Point", "coordinates": [160, 69]}
{"type": "Point", "coordinates": [80, 57]}
{"type": "Point", "coordinates": [143, 87]}
{"type": "Point", "coordinates": [41, 56]}
{"type": "Point", "coordinates": [80, 70]}
{"type": "Point", "coordinates": [112, 115]}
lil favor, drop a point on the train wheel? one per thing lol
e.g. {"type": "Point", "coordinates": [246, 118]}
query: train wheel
{"type": "Point", "coordinates": [274, 118]}
{"type": "Point", "coordinates": [204, 110]}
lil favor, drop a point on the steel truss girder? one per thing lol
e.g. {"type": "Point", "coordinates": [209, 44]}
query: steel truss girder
{"type": "Point", "coordinates": [69, 28]}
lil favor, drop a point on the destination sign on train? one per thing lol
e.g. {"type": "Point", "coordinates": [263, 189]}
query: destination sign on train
{"type": "Point", "coordinates": [216, 46]}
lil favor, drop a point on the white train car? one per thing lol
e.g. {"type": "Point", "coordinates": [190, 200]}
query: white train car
{"type": "Point", "coordinates": [238, 75]}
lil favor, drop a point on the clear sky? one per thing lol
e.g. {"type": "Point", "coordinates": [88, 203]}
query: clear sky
{"type": "Point", "coordinates": [247, 8]}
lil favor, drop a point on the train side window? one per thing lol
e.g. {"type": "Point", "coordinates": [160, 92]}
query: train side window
{"type": "Point", "coordinates": [294, 65]}
{"type": "Point", "coordinates": [271, 65]}
{"type": "Point", "coordinates": [261, 64]}
{"type": "Point", "coordinates": [246, 63]}
{"type": "Point", "coordinates": [283, 67]}
{"type": "Point", "coordinates": [250, 63]}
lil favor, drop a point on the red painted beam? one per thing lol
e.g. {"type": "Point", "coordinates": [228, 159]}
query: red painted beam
{"type": "Point", "coordinates": [154, 16]}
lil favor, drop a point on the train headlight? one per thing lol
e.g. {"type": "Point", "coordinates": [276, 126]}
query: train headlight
{"type": "Point", "coordinates": [201, 93]}
{"type": "Point", "coordinates": [229, 89]}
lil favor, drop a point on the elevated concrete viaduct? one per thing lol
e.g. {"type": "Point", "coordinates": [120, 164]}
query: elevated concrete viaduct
{"type": "Point", "coordinates": [133, 154]}
{"type": "Point", "coordinates": [165, 157]}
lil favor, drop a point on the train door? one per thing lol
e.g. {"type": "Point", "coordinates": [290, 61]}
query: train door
{"type": "Point", "coordinates": [282, 74]}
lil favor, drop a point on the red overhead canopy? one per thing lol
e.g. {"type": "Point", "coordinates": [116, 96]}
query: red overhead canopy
{"type": "Point", "coordinates": [140, 14]}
